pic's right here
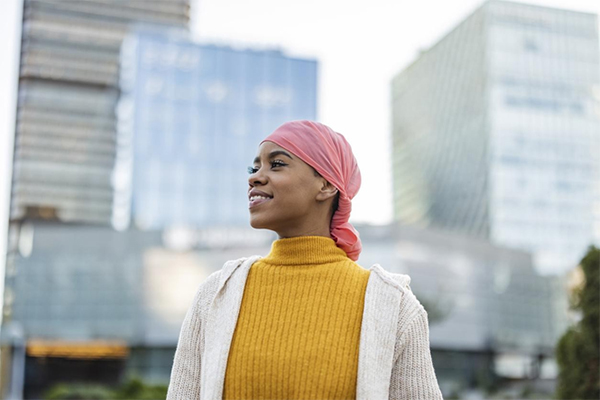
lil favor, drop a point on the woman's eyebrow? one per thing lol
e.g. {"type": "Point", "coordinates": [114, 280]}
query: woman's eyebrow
{"type": "Point", "coordinates": [273, 154]}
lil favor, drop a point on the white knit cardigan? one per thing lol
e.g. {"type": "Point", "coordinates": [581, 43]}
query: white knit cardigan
{"type": "Point", "coordinates": [394, 360]}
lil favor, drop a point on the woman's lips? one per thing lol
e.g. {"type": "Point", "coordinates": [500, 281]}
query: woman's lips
{"type": "Point", "coordinates": [256, 202]}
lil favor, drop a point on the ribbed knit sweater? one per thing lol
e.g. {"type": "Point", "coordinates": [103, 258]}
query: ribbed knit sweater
{"type": "Point", "coordinates": [298, 330]}
{"type": "Point", "coordinates": [394, 360]}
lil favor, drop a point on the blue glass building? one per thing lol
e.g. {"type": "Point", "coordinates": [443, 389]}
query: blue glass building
{"type": "Point", "coordinates": [191, 118]}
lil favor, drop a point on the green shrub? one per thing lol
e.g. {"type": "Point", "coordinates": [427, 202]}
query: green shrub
{"type": "Point", "coordinates": [132, 389]}
{"type": "Point", "coordinates": [78, 391]}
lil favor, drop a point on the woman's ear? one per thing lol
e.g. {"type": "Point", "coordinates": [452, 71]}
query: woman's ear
{"type": "Point", "coordinates": [327, 191]}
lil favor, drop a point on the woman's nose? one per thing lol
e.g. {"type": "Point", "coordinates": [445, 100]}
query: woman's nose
{"type": "Point", "coordinates": [256, 178]}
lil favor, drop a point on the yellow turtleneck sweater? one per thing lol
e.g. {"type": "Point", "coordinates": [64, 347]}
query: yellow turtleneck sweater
{"type": "Point", "coordinates": [298, 330]}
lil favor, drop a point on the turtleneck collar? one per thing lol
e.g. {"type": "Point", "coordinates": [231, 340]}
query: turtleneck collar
{"type": "Point", "coordinates": [305, 250]}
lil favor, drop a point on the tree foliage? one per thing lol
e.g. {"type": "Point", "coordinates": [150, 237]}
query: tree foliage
{"type": "Point", "coordinates": [578, 350]}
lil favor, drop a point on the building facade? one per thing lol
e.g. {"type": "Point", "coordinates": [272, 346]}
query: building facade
{"type": "Point", "coordinates": [65, 141]}
{"type": "Point", "coordinates": [191, 118]}
{"type": "Point", "coordinates": [494, 131]}
{"type": "Point", "coordinates": [95, 304]}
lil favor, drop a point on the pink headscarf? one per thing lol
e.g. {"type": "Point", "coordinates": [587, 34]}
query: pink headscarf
{"type": "Point", "coordinates": [330, 154]}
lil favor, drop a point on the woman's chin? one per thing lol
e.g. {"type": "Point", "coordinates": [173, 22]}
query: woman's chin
{"type": "Point", "coordinates": [256, 223]}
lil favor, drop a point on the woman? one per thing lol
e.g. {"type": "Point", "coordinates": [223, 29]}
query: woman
{"type": "Point", "coordinates": [306, 321]}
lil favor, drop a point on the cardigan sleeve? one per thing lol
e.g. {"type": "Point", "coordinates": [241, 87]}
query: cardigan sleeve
{"type": "Point", "coordinates": [187, 363]}
{"type": "Point", "coordinates": [413, 376]}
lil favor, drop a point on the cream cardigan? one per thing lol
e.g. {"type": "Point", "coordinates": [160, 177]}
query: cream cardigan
{"type": "Point", "coordinates": [394, 356]}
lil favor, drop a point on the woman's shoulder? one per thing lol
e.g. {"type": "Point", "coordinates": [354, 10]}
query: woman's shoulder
{"type": "Point", "coordinates": [399, 281]}
{"type": "Point", "coordinates": [215, 279]}
{"type": "Point", "coordinates": [409, 303]}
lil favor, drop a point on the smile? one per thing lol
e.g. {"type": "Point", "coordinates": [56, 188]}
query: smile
{"type": "Point", "coordinates": [256, 200]}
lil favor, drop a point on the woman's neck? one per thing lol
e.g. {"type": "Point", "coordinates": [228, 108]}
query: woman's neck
{"type": "Point", "coordinates": [304, 250]}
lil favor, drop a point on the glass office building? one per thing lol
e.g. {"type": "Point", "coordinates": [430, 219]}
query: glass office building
{"type": "Point", "coordinates": [191, 118]}
{"type": "Point", "coordinates": [65, 139]}
{"type": "Point", "coordinates": [95, 304]}
{"type": "Point", "coordinates": [494, 131]}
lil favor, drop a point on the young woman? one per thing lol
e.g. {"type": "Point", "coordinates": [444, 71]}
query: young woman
{"type": "Point", "coordinates": [305, 321]}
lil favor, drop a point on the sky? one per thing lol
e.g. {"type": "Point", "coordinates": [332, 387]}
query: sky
{"type": "Point", "coordinates": [10, 15]}
{"type": "Point", "coordinates": [360, 46]}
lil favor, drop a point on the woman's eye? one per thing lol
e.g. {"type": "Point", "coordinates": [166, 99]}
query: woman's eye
{"type": "Point", "coordinates": [276, 163]}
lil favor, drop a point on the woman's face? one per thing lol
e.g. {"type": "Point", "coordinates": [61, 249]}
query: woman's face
{"type": "Point", "coordinates": [295, 196]}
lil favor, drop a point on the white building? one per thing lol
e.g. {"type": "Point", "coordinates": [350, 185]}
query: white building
{"type": "Point", "coordinates": [65, 136]}
{"type": "Point", "coordinates": [496, 132]}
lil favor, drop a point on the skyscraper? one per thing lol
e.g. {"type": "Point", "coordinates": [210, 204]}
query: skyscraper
{"type": "Point", "coordinates": [191, 118]}
{"type": "Point", "coordinates": [494, 130]}
{"type": "Point", "coordinates": [65, 141]}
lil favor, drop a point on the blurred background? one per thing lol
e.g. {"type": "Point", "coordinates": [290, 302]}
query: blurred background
{"type": "Point", "coordinates": [127, 128]}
